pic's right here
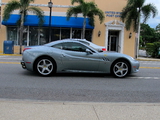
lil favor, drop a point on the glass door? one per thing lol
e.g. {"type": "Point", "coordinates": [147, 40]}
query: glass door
{"type": "Point", "coordinates": [113, 43]}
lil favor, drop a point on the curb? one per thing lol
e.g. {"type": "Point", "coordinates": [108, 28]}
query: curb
{"type": "Point", "coordinates": [10, 54]}
{"type": "Point", "coordinates": [76, 102]}
{"type": "Point", "coordinates": [147, 59]}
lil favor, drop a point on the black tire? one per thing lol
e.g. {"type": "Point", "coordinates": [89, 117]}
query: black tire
{"type": "Point", "coordinates": [120, 69]}
{"type": "Point", "coordinates": [45, 66]}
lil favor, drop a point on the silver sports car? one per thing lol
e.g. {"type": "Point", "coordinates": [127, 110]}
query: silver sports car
{"type": "Point", "coordinates": [75, 56]}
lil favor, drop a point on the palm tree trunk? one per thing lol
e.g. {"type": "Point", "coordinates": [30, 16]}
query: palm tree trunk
{"type": "Point", "coordinates": [138, 33]}
{"type": "Point", "coordinates": [84, 27]}
{"type": "Point", "coordinates": [21, 32]}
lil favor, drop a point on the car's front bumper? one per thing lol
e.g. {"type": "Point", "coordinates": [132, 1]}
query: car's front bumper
{"type": "Point", "coordinates": [135, 66]}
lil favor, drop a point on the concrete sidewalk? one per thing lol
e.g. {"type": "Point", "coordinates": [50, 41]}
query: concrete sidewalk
{"type": "Point", "coordinates": [42, 110]}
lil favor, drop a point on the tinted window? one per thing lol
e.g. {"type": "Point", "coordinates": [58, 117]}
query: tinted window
{"type": "Point", "coordinates": [71, 46]}
{"type": "Point", "coordinates": [59, 46]}
{"type": "Point", "coordinates": [74, 47]}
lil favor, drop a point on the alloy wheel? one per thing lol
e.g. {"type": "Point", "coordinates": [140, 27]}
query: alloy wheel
{"type": "Point", "coordinates": [45, 67]}
{"type": "Point", "coordinates": [120, 69]}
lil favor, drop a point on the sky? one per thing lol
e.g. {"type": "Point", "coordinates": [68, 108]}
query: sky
{"type": "Point", "coordinates": [153, 22]}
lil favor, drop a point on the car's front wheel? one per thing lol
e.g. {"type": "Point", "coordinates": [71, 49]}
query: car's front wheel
{"type": "Point", "coordinates": [45, 66]}
{"type": "Point", "coordinates": [120, 68]}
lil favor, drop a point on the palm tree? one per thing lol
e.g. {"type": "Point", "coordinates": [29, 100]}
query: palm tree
{"type": "Point", "coordinates": [88, 9]}
{"type": "Point", "coordinates": [24, 8]}
{"type": "Point", "coordinates": [131, 15]}
{"type": "Point", "coordinates": [158, 28]}
{"type": "Point", "coordinates": [133, 11]}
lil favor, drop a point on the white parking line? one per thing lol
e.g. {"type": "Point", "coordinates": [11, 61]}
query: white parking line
{"type": "Point", "coordinates": [155, 78]}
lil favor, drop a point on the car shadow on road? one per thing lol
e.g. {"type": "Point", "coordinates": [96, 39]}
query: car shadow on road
{"type": "Point", "coordinates": [78, 75]}
{"type": "Point", "coordinates": [69, 74]}
{"type": "Point", "coordinates": [82, 75]}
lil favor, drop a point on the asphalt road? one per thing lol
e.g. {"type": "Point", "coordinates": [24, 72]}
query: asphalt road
{"type": "Point", "coordinates": [17, 83]}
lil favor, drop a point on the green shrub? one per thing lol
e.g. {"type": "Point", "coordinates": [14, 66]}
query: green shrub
{"type": "Point", "coordinates": [157, 48]}
{"type": "Point", "coordinates": [150, 48]}
{"type": "Point", "coordinates": [153, 48]}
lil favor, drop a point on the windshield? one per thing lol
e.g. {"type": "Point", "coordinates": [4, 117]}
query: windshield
{"type": "Point", "coordinates": [91, 45]}
{"type": "Point", "coordinates": [84, 42]}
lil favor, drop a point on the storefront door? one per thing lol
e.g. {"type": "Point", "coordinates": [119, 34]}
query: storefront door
{"type": "Point", "coordinates": [114, 40]}
{"type": "Point", "coordinates": [113, 43]}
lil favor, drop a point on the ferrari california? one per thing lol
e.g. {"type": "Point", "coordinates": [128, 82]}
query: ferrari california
{"type": "Point", "coordinates": [74, 56]}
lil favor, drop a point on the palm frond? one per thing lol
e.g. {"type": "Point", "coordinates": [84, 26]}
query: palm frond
{"type": "Point", "coordinates": [99, 13]}
{"type": "Point", "coordinates": [125, 12]}
{"type": "Point", "coordinates": [134, 9]}
{"type": "Point", "coordinates": [77, 1]}
{"type": "Point", "coordinates": [149, 10]}
{"type": "Point", "coordinates": [129, 15]}
{"type": "Point", "coordinates": [38, 12]}
{"type": "Point", "coordinates": [25, 3]}
{"type": "Point", "coordinates": [88, 9]}
{"type": "Point", "coordinates": [91, 19]}
{"type": "Point", "coordinates": [128, 21]}
{"type": "Point", "coordinates": [9, 8]}
{"type": "Point", "coordinates": [20, 13]}
{"type": "Point", "coordinates": [136, 3]}
{"type": "Point", "coordinates": [73, 11]}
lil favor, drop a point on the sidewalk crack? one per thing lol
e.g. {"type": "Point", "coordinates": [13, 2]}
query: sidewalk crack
{"type": "Point", "coordinates": [96, 113]}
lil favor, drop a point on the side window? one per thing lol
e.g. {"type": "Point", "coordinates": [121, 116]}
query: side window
{"type": "Point", "coordinates": [71, 46]}
{"type": "Point", "coordinates": [59, 46]}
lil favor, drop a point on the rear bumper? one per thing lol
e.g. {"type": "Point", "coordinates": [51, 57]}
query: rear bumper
{"type": "Point", "coordinates": [23, 64]}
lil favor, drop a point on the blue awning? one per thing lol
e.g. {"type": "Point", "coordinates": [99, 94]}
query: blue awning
{"type": "Point", "coordinates": [57, 21]}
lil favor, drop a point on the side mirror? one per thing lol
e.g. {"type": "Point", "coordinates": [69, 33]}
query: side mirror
{"type": "Point", "coordinates": [88, 51]}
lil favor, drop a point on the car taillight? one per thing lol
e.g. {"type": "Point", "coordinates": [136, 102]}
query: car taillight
{"type": "Point", "coordinates": [104, 49]}
{"type": "Point", "coordinates": [26, 49]}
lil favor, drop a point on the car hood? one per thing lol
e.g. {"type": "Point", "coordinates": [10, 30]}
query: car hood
{"type": "Point", "coordinates": [115, 54]}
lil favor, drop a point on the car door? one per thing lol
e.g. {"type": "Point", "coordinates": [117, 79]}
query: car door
{"type": "Point", "coordinates": [75, 57]}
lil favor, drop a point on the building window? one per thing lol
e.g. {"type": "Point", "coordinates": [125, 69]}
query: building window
{"type": "Point", "coordinates": [76, 33]}
{"type": "Point", "coordinates": [55, 34]}
{"type": "Point", "coordinates": [88, 35]}
{"type": "Point", "coordinates": [43, 36]}
{"type": "Point", "coordinates": [65, 33]}
{"type": "Point", "coordinates": [25, 36]}
{"type": "Point", "coordinates": [12, 34]}
{"type": "Point", "coordinates": [39, 36]}
{"type": "Point", "coordinates": [33, 36]}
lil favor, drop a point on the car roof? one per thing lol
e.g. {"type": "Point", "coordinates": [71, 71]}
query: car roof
{"type": "Point", "coordinates": [64, 40]}
{"type": "Point", "coordinates": [82, 41]}
{"type": "Point", "coordinates": [75, 39]}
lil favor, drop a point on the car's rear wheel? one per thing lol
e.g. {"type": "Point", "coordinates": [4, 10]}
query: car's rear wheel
{"type": "Point", "coordinates": [45, 66]}
{"type": "Point", "coordinates": [120, 68]}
